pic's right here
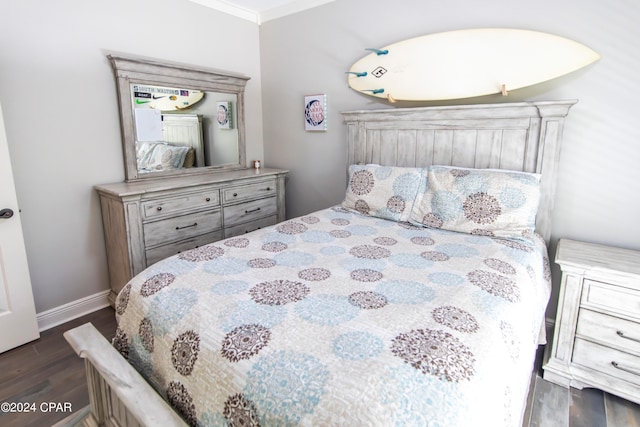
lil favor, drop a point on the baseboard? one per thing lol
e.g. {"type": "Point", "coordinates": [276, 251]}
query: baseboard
{"type": "Point", "coordinates": [64, 313]}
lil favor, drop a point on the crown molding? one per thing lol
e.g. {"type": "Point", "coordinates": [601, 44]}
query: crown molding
{"type": "Point", "coordinates": [267, 15]}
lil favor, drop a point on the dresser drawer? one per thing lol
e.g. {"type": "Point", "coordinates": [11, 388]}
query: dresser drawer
{"type": "Point", "coordinates": [250, 226]}
{"type": "Point", "coordinates": [244, 192]}
{"type": "Point", "coordinates": [191, 201]}
{"type": "Point", "coordinates": [181, 227]}
{"type": "Point", "coordinates": [244, 212]}
{"type": "Point", "coordinates": [610, 297]}
{"type": "Point", "coordinates": [609, 330]}
{"type": "Point", "coordinates": [602, 359]}
{"type": "Point", "coordinates": [161, 252]}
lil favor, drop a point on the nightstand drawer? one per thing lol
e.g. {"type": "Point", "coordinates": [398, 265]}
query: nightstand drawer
{"type": "Point", "coordinates": [260, 189]}
{"type": "Point", "coordinates": [611, 297]}
{"type": "Point", "coordinates": [244, 212]}
{"type": "Point", "coordinates": [615, 363]}
{"type": "Point", "coordinates": [608, 330]}
{"type": "Point", "coordinates": [181, 227]}
{"type": "Point", "coordinates": [161, 252]}
{"type": "Point", "coordinates": [191, 202]}
{"type": "Point", "coordinates": [250, 226]}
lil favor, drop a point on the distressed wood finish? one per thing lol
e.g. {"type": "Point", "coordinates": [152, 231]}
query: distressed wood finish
{"type": "Point", "coordinates": [519, 136]}
{"type": "Point", "coordinates": [597, 333]}
{"type": "Point", "coordinates": [146, 221]}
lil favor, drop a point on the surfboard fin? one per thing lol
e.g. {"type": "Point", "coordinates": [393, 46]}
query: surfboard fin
{"type": "Point", "coordinates": [362, 74]}
{"type": "Point", "coordinates": [503, 90]}
{"type": "Point", "coordinates": [374, 91]}
{"type": "Point", "coordinates": [391, 99]}
{"type": "Point", "coordinates": [378, 51]}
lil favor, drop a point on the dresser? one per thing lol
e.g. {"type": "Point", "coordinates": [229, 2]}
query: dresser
{"type": "Point", "coordinates": [596, 341]}
{"type": "Point", "coordinates": [146, 221]}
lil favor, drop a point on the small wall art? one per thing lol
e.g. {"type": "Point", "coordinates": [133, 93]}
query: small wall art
{"type": "Point", "coordinates": [224, 116]}
{"type": "Point", "coordinates": [315, 112]}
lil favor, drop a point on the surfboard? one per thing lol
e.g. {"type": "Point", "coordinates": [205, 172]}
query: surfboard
{"type": "Point", "coordinates": [165, 98]}
{"type": "Point", "coordinates": [466, 63]}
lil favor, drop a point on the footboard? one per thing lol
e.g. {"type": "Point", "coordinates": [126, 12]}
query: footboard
{"type": "Point", "coordinates": [118, 395]}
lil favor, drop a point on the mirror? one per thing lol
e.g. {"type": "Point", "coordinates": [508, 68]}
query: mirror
{"type": "Point", "coordinates": [178, 119]}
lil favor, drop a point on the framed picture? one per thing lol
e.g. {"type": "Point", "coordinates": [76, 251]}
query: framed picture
{"type": "Point", "coordinates": [315, 112]}
{"type": "Point", "coordinates": [224, 116]}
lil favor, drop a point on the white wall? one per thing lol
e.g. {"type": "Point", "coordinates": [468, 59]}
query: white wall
{"type": "Point", "coordinates": [59, 102]}
{"type": "Point", "coordinates": [598, 195]}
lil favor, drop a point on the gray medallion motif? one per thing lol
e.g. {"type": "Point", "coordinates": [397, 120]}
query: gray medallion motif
{"type": "Point", "coordinates": [181, 400]}
{"type": "Point", "coordinates": [481, 232]}
{"type": "Point", "coordinates": [368, 300]}
{"type": "Point", "coordinates": [514, 245]}
{"type": "Point", "coordinates": [340, 234]}
{"type": "Point", "coordinates": [238, 242]}
{"type": "Point", "coordinates": [203, 253]}
{"type": "Point", "coordinates": [499, 265]}
{"type": "Point", "coordinates": [340, 221]}
{"type": "Point", "coordinates": [278, 292]}
{"type": "Point", "coordinates": [455, 318]}
{"type": "Point", "coordinates": [145, 330]}
{"type": "Point", "coordinates": [362, 206]}
{"type": "Point", "coordinates": [495, 284]}
{"type": "Point", "coordinates": [123, 299]}
{"type": "Point", "coordinates": [241, 412]}
{"type": "Point", "coordinates": [432, 220]}
{"type": "Point", "coordinates": [396, 204]}
{"type": "Point", "coordinates": [370, 252]}
{"type": "Point", "coordinates": [435, 256]}
{"type": "Point", "coordinates": [184, 352]}
{"type": "Point", "coordinates": [291, 228]}
{"type": "Point", "coordinates": [481, 208]}
{"type": "Point", "coordinates": [366, 275]}
{"type": "Point", "coordinates": [310, 219]}
{"type": "Point", "coordinates": [314, 274]}
{"type": "Point", "coordinates": [261, 263]}
{"type": "Point", "coordinates": [459, 173]}
{"type": "Point", "coordinates": [274, 246]}
{"type": "Point", "coordinates": [155, 283]}
{"type": "Point", "coordinates": [423, 240]}
{"type": "Point", "coordinates": [435, 352]}
{"type": "Point", "coordinates": [245, 341]}
{"type": "Point", "coordinates": [362, 182]}
{"type": "Point", "coordinates": [385, 241]}
{"type": "Point", "coordinates": [121, 343]}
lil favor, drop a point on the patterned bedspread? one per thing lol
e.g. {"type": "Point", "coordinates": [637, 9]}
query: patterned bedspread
{"type": "Point", "coordinates": [340, 319]}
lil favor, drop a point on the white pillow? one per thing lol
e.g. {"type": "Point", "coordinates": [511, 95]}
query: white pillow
{"type": "Point", "coordinates": [157, 156]}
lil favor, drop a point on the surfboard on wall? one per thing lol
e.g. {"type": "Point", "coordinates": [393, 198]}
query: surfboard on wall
{"type": "Point", "coordinates": [466, 63]}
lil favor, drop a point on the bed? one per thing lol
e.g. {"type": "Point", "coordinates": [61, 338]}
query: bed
{"type": "Point", "coordinates": [411, 303]}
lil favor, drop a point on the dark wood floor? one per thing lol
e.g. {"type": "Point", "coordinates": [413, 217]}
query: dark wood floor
{"type": "Point", "coordinates": [47, 370]}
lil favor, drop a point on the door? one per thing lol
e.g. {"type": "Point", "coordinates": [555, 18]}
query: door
{"type": "Point", "coordinates": [18, 324]}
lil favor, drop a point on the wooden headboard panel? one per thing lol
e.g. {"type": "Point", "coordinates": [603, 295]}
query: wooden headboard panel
{"type": "Point", "coordinates": [522, 136]}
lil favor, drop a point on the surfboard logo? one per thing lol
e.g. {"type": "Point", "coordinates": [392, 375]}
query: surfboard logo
{"type": "Point", "coordinates": [379, 72]}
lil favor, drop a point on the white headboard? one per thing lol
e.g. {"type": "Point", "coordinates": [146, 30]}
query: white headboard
{"type": "Point", "coordinates": [522, 136]}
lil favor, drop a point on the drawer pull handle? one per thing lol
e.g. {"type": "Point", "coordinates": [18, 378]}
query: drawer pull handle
{"type": "Point", "coordinates": [187, 226]}
{"type": "Point", "coordinates": [235, 194]}
{"type": "Point", "coordinates": [268, 189]}
{"type": "Point", "coordinates": [159, 208]}
{"type": "Point", "coordinates": [249, 231]}
{"type": "Point", "coordinates": [622, 335]}
{"type": "Point", "coordinates": [252, 210]}
{"type": "Point", "coordinates": [208, 199]}
{"type": "Point", "coordinates": [622, 368]}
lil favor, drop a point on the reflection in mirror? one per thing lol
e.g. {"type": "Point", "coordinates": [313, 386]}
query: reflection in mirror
{"type": "Point", "coordinates": [180, 128]}
{"type": "Point", "coordinates": [178, 119]}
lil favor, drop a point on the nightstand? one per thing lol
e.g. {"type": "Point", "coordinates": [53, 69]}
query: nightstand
{"type": "Point", "coordinates": [596, 342]}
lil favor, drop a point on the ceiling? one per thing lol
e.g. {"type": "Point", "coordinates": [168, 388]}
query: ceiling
{"type": "Point", "coordinates": [260, 11]}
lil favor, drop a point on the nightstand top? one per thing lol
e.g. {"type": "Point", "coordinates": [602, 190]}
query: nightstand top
{"type": "Point", "coordinates": [591, 256]}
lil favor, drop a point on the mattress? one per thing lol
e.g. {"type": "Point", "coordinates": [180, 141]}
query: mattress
{"type": "Point", "coordinates": [338, 318]}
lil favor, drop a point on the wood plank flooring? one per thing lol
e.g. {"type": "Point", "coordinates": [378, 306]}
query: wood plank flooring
{"type": "Point", "coordinates": [47, 370]}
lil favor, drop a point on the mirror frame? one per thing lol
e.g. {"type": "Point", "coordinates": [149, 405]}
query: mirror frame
{"type": "Point", "coordinates": [136, 70]}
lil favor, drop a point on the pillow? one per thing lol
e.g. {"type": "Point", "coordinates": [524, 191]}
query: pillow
{"type": "Point", "coordinates": [190, 158]}
{"type": "Point", "coordinates": [490, 202]}
{"type": "Point", "coordinates": [382, 191]}
{"type": "Point", "coordinates": [156, 156]}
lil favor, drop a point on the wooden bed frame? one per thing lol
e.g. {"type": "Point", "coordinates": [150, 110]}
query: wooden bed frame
{"type": "Point", "coordinates": [517, 136]}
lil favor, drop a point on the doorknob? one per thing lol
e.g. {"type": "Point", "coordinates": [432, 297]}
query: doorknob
{"type": "Point", "coordinates": [6, 213]}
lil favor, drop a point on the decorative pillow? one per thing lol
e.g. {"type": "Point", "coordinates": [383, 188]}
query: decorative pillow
{"type": "Point", "coordinates": [156, 156]}
{"type": "Point", "coordinates": [382, 191]}
{"type": "Point", "coordinates": [489, 202]}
